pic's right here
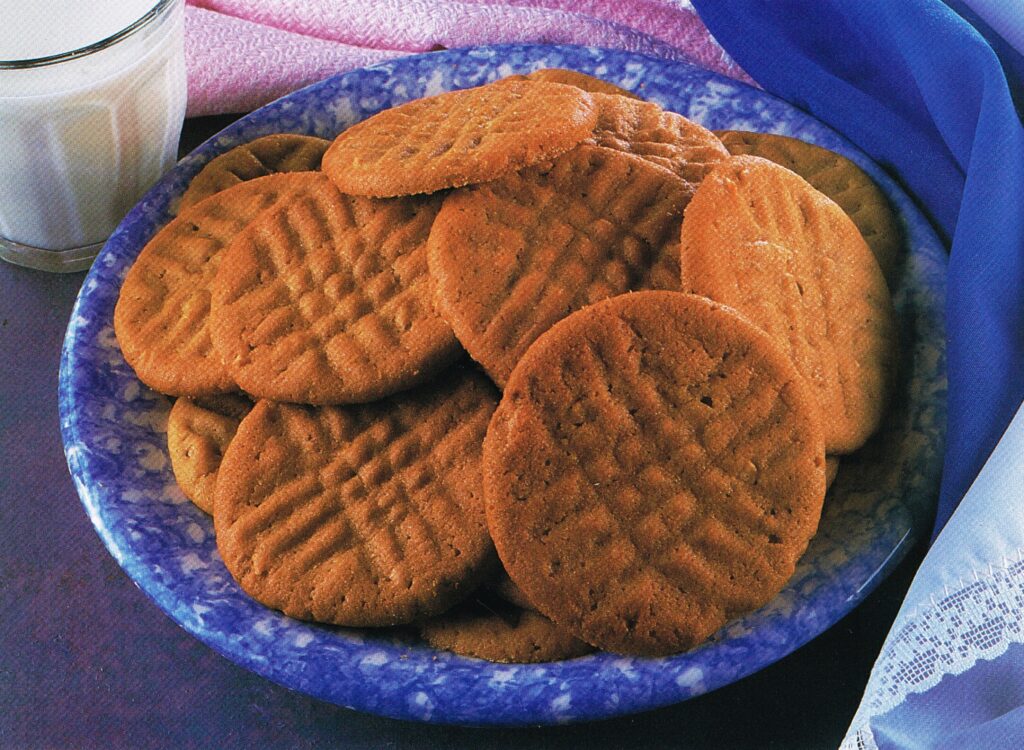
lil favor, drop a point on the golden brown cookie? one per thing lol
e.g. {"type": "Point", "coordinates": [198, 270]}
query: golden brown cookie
{"type": "Point", "coordinates": [492, 629]}
{"type": "Point", "coordinates": [281, 152]}
{"type": "Point", "coordinates": [573, 78]}
{"type": "Point", "coordinates": [759, 238]}
{"type": "Point", "coordinates": [838, 178]}
{"type": "Point", "coordinates": [198, 433]}
{"type": "Point", "coordinates": [363, 515]}
{"type": "Point", "coordinates": [512, 257]}
{"type": "Point", "coordinates": [459, 138]}
{"type": "Point", "coordinates": [162, 314]}
{"type": "Point", "coordinates": [326, 299]}
{"type": "Point", "coordinates": [654, 469]}
{"type": "Point", "coordinates": [663, 138]}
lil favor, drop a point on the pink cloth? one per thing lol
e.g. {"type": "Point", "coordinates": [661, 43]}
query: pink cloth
{"type": "Point", "coordinates": [244, 53]}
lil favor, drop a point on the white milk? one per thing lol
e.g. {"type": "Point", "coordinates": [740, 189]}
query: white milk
{"type": "Point", "coordinates": [82, 139]}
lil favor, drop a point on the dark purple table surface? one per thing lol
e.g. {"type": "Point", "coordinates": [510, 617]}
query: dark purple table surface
{"type": "Point", "coordinates": [87, 661]}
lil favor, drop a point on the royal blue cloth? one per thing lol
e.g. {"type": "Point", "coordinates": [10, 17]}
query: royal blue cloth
{"type": "Point", "coordinates": [1012, 57]}
{"type": "Point", "coordinates": [919, 89]}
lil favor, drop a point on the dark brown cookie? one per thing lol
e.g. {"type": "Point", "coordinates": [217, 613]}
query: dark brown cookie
{"type": "Point", "coordinates": [365, 515]}
{"type": "Point", "coordinates": [459, 138]}
{"type": "Point", "coordinates": [281, 152]}
{"type": "Point", "coordinates": [326, 299]}
{"type": "Point", "coordinates": [489, 628]}
{"type": "Point", "coordinates": [654, 469]}
{"type": "Point", "coordinates": [664, 138]}
{"type": "Point", "coordinates": [512, 257]}
{"type": "Point", "coordinates": [838, 178]}
{"type": "Point", "coordinates": [759, 238]}
{"type": "Point", "coordinates": [198, 433]}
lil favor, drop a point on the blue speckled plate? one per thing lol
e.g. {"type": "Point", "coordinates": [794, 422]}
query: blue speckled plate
{"type": "Point", "coordinates": [114, 435]}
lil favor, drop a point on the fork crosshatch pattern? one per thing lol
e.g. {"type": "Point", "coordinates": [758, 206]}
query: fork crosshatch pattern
{"type": "Point", "coordinates": [113, 429]}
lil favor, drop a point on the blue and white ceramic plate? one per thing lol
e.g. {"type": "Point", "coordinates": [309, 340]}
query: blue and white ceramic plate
{"type": "Point", "coordinates": [114, 435]}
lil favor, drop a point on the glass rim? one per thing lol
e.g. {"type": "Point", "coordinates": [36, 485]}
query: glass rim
{"type": "Point", "coordinates": [139, 23]}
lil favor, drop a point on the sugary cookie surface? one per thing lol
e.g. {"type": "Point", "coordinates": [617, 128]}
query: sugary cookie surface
{"type": "Point", "coordinates": [459, 138]}
{"type": "Point", "coordinates": [364, 515]}
{"type": "Point", "coordinates": [198, 433]}
{"type": "Point", "coordinates": [654, 469]}
{"type": "Point", "coordinates": [511, 257]}
{"type": "Point", "coordinates": [759, 238]}
{"type": "Point", "coordinates": [664, 138]}
{"type": "Point", "coordinates": [280, 152]}
{"type": "Point", "coordinates": [325, 299]}
{"type": "Point", "coordinates": [162, 317]}
{"type": "Point", "coordinates": [838, 178]}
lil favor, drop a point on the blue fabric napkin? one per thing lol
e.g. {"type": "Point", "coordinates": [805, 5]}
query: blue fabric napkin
{"type": "Point", "coordinates": [920, 90]}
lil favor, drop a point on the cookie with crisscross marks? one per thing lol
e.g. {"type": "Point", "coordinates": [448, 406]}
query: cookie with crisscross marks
{"type": "Point", "coordinates": [326, 299]}
{"type": "Point", "coordinates": [163, 311]}
{"type": "Point", "coordinates": [198, 432]}
{"type": "Point", "coordinates": [486, 627]}
{"type": "Point", "coordinates": [759, 238]}
{"type": "Point", "coordinates": [364, 515]}
{"type": "Point", "coordinates": [573, 78]}
{"type": "Point", "coordinates": [664, 138]}
{"type": "Point", "coordinates": [654, 469]}
{"type": "Point", "coordinates": [270, 154]}
{"type": "Point", "coordinates": [512, 257]}
{"type": "Point", "coordinates": [838, 178]}
{"type": "Point", "coordinates": [459, 138]}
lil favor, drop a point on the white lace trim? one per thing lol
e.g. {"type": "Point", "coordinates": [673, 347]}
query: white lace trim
{"type": "Point", "coordinates": [864, 739]}
{"type": "Point", "coordinates": [978, 620]}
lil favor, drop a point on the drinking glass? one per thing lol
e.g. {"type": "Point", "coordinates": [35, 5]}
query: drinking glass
{"type": "Point", "coordinates": [84, 130]}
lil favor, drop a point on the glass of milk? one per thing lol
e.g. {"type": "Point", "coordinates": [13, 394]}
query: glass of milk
{"type": "Point", "coordinates": [92, 99]}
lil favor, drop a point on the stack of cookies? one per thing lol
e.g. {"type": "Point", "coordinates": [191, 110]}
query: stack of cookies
{"type": "Point", "coordinates": [535, 368]}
